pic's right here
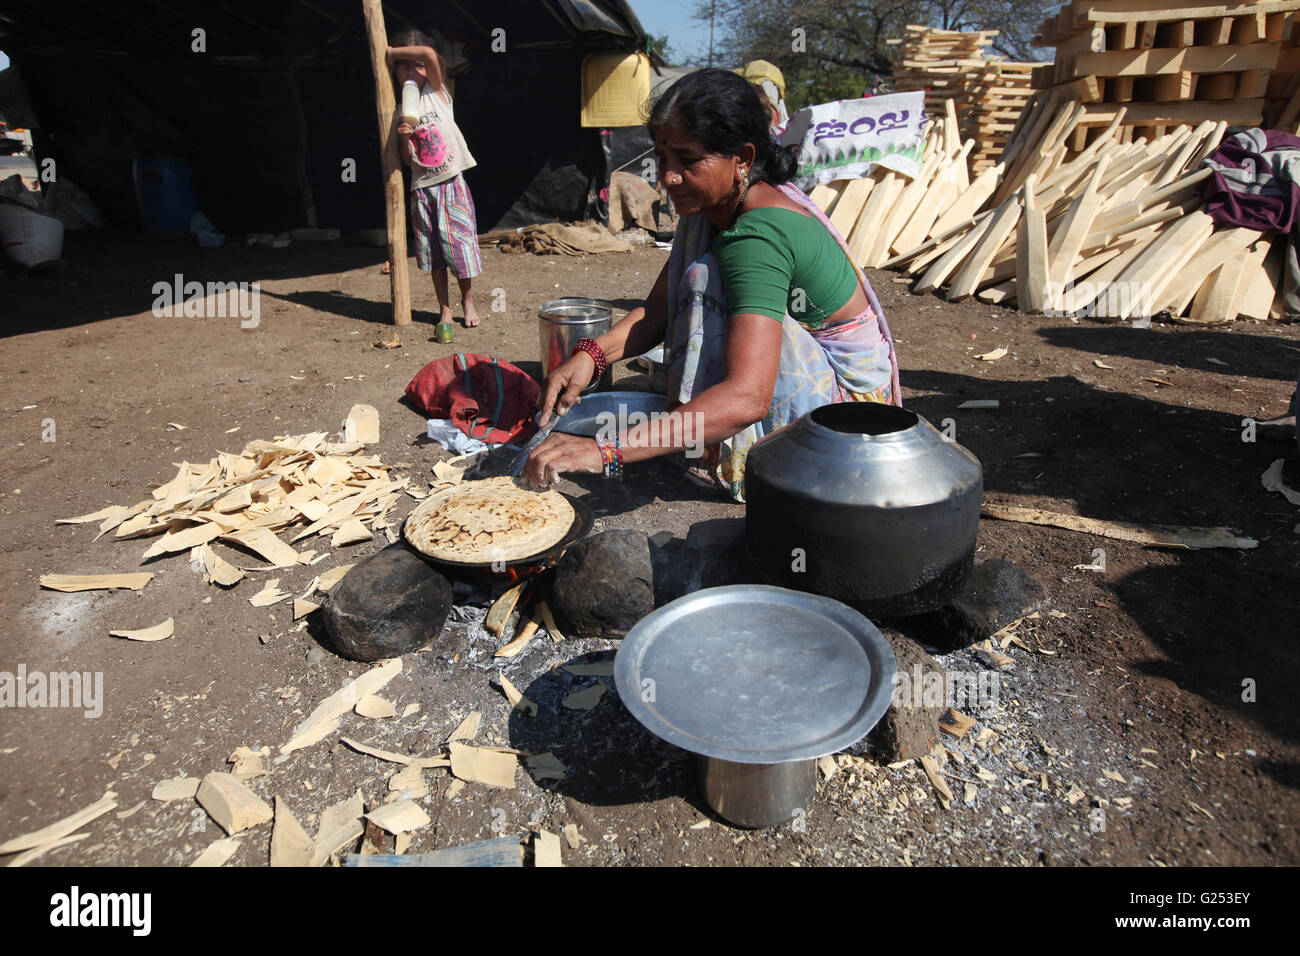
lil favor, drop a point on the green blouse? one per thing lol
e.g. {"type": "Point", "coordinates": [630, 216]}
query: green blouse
{"type": "Point", "coordinates": [776, 260]}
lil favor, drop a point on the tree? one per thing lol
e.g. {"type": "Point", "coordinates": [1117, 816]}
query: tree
{"type": "Point", "coordinates": [659, 46]}
{"type": "Point", "coordinates": [836, 49]}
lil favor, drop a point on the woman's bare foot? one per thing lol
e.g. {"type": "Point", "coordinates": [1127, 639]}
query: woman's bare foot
{"type": "Point", "coordinates": [387, 269]}
{"type": "Point", "coordinates": [445, 314]}
{"type": "Point", "coordinates": [471, 315]}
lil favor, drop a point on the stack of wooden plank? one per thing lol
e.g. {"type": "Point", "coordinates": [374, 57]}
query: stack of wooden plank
{"type": "Point", "coordinates": [1172, 62]}
{"type": "Point", "coordinates": [1005, 89]}
{"type": "Point", "coordinates": [958, 68]}
{"type": "Point", "coordinates": [1115, 232]}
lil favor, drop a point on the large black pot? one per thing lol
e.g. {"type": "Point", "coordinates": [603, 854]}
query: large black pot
{"type": "Point", "coordinates": [865, 503]}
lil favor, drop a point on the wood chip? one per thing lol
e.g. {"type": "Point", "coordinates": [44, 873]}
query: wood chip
{"type": "Point", "coordinates": [61, 828]}
{"type": "Point", "coordinates": [1112, 775]}
{"type": "Point", "coordinates": [409, 780]}
{"type": "Point", "coordinates": [401, 816]}
{"type": "Point", "coordinates": [572, 836]}
{"type": "Point", "coordinates": [521, 640]}
{"type": "Point", "coordinates": [493, 768]}
{"type": "Point", "coordinates": [931, 768]}
{"type": "Point", "coordinates": [546, 766]}
{"type": "Point", "coordinates": [499, 613]}
{"type": "Point", "coordinates": [178, 788]}
{"type": "Point", "coordinates": [467, 729]}
{"type": "Point", "coordinates": [216, 569]}
{"type": "Point", "coordinates": [1272, 481]}
{"type": "Point", "coordinates": [100, 515]}
{"type": "Point", "coordinates": [159, 632]}
{"type": "Point", "coordinates": [340, 826]}
{"type": "Point", "coordinates": [362, 425]}
{"type": "Point", "coordinates": [231, 804]}
{"type": "Point", "coordinates": [324, 720]}
{"type": "Point", "coordinates": [218, 853]}
{"type": "Point", "coordinates": [388, 755]}
{"type": "Point", "coordinates": [270, 594]}
{"type": "Point", "coordinates": [1075, 795]}
{"type": "Point", "coordinates": [1163, 536]}
{"type": "Point", "coordinates": [1100, 364]}
{"type": "Point", "coordinates": [517, 700]}
{"type": "Point", "coordinates": [548, 621]}
{"type": "Point", "coordinates": [993, 356]}
{"type": "Point", "coordinates": [333, 576]}
{"type": "Point", "coordinates": [410, 709]}
{"type": "Point", "coordinates": [956, 724]}
{"type": "Point", "coordinates": [36, 852]}
{"type": "Point", "coordinates": [351, 531]}
{"type": "Point", "coordinates": [980, 403]}
{"type": "Point", "coordinates": [375, 707]}
{"type": "Point", "coordinates": [585, 699]}
{"type": "Point", "coordinates": [601, 669]}
{"type": "Point", "coordinates": [248, 763]}
{"type": "Point", "coordinates": [302, 608]}
{"type": "Point", "coordinates": [546, 849]}
{"type": "Point", "coordinates": [290, 844]}
{"type": "Point", "coordinates": [95, 582]}
{"type": "Point", "coordinates": [266, 544]}
{"type": "Point", "coordinates": [190, 537]}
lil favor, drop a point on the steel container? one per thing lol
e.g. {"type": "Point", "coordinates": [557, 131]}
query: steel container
{"type": "Point", "coordinates": [757, 794]}
{"type": "Point", "coordinates": [562, 322]}
{"type": "Point", "coordinates": [865, 503]}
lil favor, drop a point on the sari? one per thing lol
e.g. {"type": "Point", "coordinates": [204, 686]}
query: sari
{"type": "Point", "coordinates": [848, 360]}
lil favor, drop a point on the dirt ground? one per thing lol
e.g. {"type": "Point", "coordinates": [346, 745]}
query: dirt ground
{"type": "Point", "coordinates": [1126, 729]}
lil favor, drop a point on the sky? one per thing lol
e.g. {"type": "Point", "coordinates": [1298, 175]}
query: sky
{"type": "Point", "coordinates": [4, 61]}
{"type": "Point", "coordinates": [673, 17]}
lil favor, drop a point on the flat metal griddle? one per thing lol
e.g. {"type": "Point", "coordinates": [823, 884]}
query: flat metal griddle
{"type": "Point", "coordinates": [582, 522]}
{"type": "Point", "coordinates": [756, 674]}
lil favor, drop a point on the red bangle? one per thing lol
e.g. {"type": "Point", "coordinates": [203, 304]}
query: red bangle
{"type": "Point", "coordinates": [597, 355]}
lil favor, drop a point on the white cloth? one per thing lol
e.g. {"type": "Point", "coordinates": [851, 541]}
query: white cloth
{"type": "Point", "coordinates": [437, 119]}
{"type": "Point", "coordinates": [452, 438]}
{"type": "Point", "coordinates": [844, 139]}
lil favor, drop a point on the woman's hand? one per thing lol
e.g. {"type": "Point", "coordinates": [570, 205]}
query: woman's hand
{"type": "Point", "coordinates": [560, 454]}
{"type": "Point", "coordinates": [405, 130]}
{"type": "Point", "coordinates": [563, 388]}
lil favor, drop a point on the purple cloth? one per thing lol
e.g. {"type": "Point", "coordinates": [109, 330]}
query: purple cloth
{"type": "Point", "coordinates": [1255, 181]}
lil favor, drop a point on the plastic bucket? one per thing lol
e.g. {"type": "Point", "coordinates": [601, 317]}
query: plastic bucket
{"type": "Point", "coordinates": [28, 237]}
{"type": "Point", "coordinates": [165, 193]}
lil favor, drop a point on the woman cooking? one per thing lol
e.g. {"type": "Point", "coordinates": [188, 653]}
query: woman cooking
{"type": "Point", "coordinates": [760, 309]}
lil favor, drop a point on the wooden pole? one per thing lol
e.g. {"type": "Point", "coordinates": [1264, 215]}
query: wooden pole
{"type": "Point", "coordinates": [389, 142]}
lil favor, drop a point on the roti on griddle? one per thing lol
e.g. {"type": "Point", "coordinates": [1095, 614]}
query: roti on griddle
{"type": "Point", "coordinates": [489, 520]}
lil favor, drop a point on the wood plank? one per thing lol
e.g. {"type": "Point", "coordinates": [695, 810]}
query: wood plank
{"type": "Point", "coordinates": [1174, 87]}
{"type": "Point", "coordinates": [1032, 272]}
{"type": "Point", "coordinates": [1223, 245]}
{"type": "Point", "coordinates": [850, 204]}
{"type": "Point", "coordinates": [954, 257]}
{"type": "Point", "coordinates": [1260, 282]}
{"type": "Point", "coordinates": [1123, 11]}
{"type": "Point", "coordinates": [1003, 224]}
{"type": "Point", "coordinates": [1067, 242]}
{"type": "Point", "coordinates": [1232, 112]}
{"type": "Point", "coordinates": [971, 201]}
{"type": "Point", "coordinates": [1218, 59]}
{"type": "Point", "coordinates": [1151, 271]}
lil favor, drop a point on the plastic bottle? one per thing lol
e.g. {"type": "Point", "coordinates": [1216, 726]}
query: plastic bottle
{"type": "Point", "coordinates": [411, 103]}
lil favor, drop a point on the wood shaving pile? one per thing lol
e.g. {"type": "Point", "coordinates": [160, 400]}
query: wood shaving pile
{"type": "Point", "coordinates": [302, 484]}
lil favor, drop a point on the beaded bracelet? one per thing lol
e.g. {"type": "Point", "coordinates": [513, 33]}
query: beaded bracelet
{"type": "Point", "coordinates": [596, 352]}
{"type": "Point", "coordinates": [612, 456]}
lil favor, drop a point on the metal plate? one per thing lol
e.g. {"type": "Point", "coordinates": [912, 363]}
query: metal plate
{"type": "Point", "coordinates": [585, 417]}
{"type": "Point", "coordinates": [582, 522]}
{"type": "Point", "coordinates": [756, 674]}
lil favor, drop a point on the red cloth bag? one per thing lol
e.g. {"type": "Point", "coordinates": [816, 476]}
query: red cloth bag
{"type": "Point", "coordinates": [484, 397]}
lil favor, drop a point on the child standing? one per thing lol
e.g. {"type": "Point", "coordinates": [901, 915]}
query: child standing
{"type": "Point", "coordinates": [446, 232]}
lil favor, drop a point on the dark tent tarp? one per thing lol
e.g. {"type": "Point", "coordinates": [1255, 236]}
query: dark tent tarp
{"type": "Point", "coordinates": [281, 95]}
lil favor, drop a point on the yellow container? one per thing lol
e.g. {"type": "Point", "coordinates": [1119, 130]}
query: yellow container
{"type": "Point", "coordinates": [615, 88]}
